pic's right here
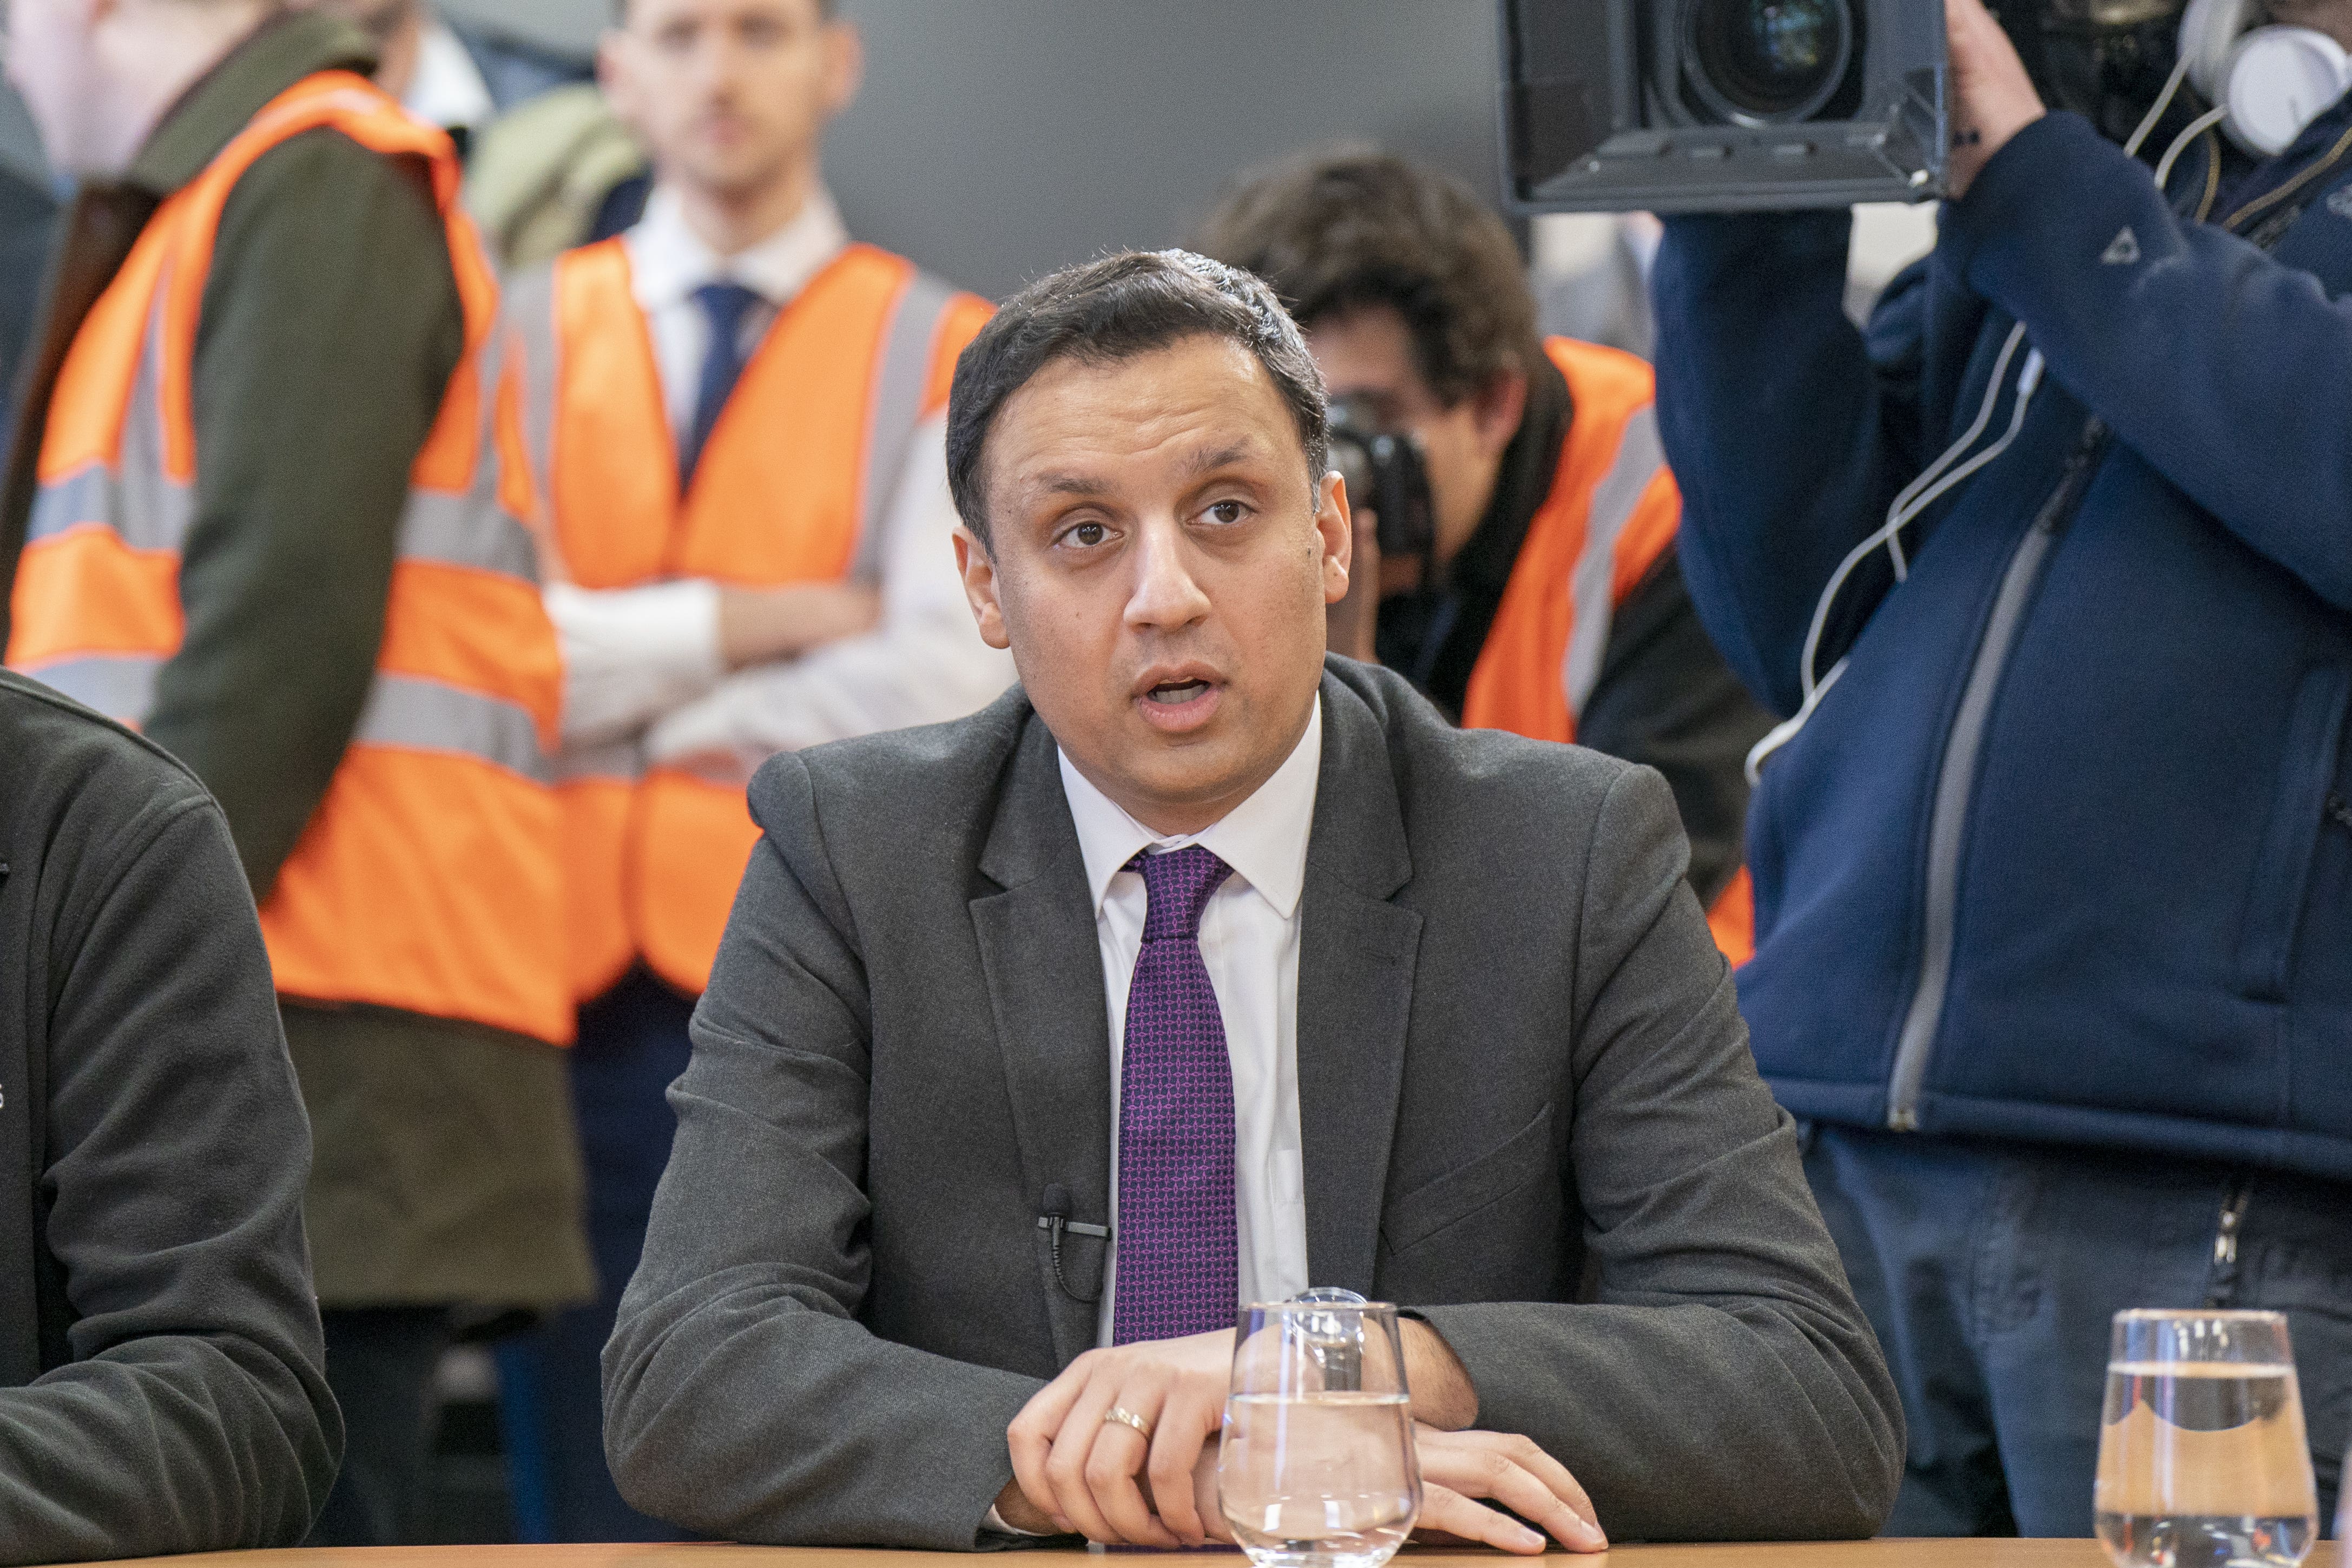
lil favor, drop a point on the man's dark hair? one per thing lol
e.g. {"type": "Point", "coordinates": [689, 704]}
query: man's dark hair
{"type": "Point", "coordinates": [1344, 231]}
{"type": "Point", "coordinates": [1105, 311]}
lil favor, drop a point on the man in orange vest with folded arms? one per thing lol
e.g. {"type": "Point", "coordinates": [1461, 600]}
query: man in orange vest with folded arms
{"type": "Point", "coordinates": [738, 424]}
{"type": "Point", "coordinates": [267, 502]}
{"type": "Point", "coordinates": [1540, 592]}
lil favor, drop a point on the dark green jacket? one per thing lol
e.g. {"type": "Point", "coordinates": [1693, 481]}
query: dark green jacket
{"type": "Point", "coordinates": [329, 329]}
{"type": "Point", "coordinates": [162, 1382]}
{"type": "Point", "coordinates": [447, 1167]}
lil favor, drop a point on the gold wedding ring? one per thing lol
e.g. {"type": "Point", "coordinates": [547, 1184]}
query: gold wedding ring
{"type": "Point", "coordinates": [1126, 1417]}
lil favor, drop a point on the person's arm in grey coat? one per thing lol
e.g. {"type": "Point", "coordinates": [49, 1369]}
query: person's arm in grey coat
{"type": "Point", "coordinates": [185, 1407]}
{"type": "Point", "coordinates": [1722, 1384]}
{"type": "Point", "coordinates": [738, 1334]}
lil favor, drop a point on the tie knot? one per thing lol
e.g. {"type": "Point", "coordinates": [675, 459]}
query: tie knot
{"type": "Point", "coordinates": [1177, 886]}
{"type": "Point", "coordinates": [725, 305]}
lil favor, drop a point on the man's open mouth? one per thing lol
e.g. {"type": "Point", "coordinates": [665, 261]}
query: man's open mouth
{"type": "Point", "coordinates": [1175, 691]}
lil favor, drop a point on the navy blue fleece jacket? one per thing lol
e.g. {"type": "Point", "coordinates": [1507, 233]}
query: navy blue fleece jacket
{"type": "Point", "coordinates": [2065, 854]}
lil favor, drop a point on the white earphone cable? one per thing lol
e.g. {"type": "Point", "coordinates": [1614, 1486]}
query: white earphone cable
{"type": "Point", "coordinates": [1914, 498]}
{"type": "Point", "coordinates": [1903, 510]}
{"type": "Point", "coordinates": [2197, 127]}
{"type": "Point", "coordinates": [2163, 101]}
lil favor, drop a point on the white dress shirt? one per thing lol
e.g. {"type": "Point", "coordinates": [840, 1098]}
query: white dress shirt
{"type": "Point", "coordinates": [645, 661]}
{"type": "Point", "coordinates": [669, 261]}
{"type": "Point", "coordinates": [1249, 944]}
{"type": "Point", "coordinates": [446, 87]}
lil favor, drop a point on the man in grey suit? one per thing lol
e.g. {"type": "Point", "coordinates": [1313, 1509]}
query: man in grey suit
{"type": "Point", "coordinates": [1202, 968]}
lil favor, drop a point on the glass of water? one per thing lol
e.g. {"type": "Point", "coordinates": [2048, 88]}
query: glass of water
{"type": "Point", "coordinates": [2203, 1459]}
{"type": "Point", "coordinates": [1317, 1469]}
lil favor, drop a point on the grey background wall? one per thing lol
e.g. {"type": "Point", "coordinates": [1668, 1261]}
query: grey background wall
{"type": "Point", "coordinates": [997, 139]}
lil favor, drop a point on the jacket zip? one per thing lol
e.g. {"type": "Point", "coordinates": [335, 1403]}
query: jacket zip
{"type": "Point", "coordinates": [1948, 822]}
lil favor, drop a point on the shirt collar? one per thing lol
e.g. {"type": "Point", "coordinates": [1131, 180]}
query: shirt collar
{"type": "Point", "coordinates": [448, 89]}
{"type": "Point", "coordinates": [668, 261]}
{"type": "Point", "coordinates": [1264, 839]}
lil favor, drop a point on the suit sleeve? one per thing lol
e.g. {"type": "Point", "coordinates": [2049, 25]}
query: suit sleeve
{"type": "Point", "coordinates": [194, 1414]}
{"type": "Point", "coordinates": [1721, 1382]}
{"type": "Point", "coordinates": [1787, 431]}
{"type": "Point", "coordinates": [742, 1396]}
{"type": "Point", "coordinates": [1666, 700]}
{"type": "Point", "coordinates": [2222, 367]}
{"type": "Point", "coordinates": [331, 330]}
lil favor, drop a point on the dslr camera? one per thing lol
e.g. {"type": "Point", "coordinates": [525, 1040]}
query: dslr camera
{"type": "Point", "coordinates": [1384, 471]}
{"type": "Point", "coordinates": [1722, 105]}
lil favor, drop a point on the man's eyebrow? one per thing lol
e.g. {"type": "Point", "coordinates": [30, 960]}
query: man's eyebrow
{"type": "Point", "coordinates": [1056, 483]}
{"type": "Point", "coordinates": [1062, 482]}
{"type": "Point", "coordinates": [1222, 456]}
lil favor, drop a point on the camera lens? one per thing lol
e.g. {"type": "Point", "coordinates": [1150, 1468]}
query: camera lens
{"type": "Point", "coordinates": [1761, 62]}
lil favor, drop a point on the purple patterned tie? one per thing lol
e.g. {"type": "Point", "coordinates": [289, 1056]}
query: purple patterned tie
{"type": "Point", "coordinates": [1177, 1269]}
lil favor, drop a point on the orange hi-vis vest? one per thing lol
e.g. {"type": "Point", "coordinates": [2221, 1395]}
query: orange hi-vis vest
{"type": "Point", "coordinates": [427, 880]}
{"type": "Point", "coordinates": [792, 486]}
{"type": "Point", "coordinates": [1612, 515]}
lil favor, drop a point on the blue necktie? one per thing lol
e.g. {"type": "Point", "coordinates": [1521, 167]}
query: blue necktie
{"type": "Point", "coordinates": [724, 306]}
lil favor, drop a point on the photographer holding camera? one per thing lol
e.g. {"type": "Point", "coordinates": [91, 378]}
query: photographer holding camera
{"type": "Point", "coordinates": [2050, 570]}
{"type": "Point", "coordinates": [1515, 520]}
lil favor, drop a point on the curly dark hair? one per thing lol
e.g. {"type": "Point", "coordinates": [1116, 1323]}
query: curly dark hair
{"type": "Point", "coordinates": [1341, 230]}
{"type": "Point", "coordinates": [1114, 309]}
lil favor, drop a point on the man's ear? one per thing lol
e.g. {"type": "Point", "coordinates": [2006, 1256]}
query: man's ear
{"type": "Point", "coordinates": [1334, 535]}
{"type": "Point", "coordinates": [1496, 408]}
{"type": "Point", "coordinates": [845, 65]}
{"type": "Point", "coordinates": [977, 569]}
{"type": "Point", "coordinates": [613, 74]}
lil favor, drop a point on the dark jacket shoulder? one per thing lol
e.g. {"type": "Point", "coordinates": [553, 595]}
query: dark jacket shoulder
{"type": "Point", "coordinates": [1490, 767]}
{"type": "Point", "coordinates": [62, 764]}
{"type": "Point", "coordinates": [933, 787]}
{"type": "Point", "coordinates": [956, 768]}
{"type": "Point", "coordinates": [929, 797]}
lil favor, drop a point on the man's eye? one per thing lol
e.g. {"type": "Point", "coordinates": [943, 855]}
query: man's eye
{"type": "Point", "coordinates": [1228, 511]}
{"type": "Point", "coordinates": [1088, 534]}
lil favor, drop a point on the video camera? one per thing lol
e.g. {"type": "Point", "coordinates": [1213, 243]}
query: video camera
{"type": "Point", "coordinates": [1722, 105]}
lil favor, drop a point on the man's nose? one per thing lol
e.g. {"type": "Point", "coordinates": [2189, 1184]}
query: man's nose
{"type": "Point", "coordinates": [717, 63]}
{"type": "Point", "coordinates": [1166, 594]}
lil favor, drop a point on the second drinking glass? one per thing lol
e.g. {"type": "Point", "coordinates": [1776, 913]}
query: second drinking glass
{"type": "Point", "coordinates": [2202, 1456]}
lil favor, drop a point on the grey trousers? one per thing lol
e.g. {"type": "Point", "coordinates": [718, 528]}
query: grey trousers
{"type": "Point", "coordinates": [1990, 1271]}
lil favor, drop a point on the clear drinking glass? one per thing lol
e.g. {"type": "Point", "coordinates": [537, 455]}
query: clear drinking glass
{"type": "Point", "coordinates": [1317, 1468]}
{"type": "Point", "coordinates": [2203, 1459]}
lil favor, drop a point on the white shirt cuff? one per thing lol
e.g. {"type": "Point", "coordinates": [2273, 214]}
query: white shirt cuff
{"type": "Point", "coordinates": [631, 655]}
{"type": "Point", "coordinates": [995, 1522]}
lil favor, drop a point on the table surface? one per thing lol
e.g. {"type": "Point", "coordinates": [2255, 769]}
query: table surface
{"type": "Point", "coordinates": [1981, 1553]}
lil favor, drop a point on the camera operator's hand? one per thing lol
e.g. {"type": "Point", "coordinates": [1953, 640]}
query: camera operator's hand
{"type": "Point", "coordinates": [1992, 97]}
{"type": "Point", "coordinates": [1349, 624]}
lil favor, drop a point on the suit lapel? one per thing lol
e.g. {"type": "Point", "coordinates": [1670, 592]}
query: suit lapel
{"type": "Point", "coordinates": [1356, 951]}
{"type": "Point", "coordinates": [1043, 969]}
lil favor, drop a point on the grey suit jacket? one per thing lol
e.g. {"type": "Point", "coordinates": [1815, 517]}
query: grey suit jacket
{"type": "Point", "coordinates": [1526, 1099]}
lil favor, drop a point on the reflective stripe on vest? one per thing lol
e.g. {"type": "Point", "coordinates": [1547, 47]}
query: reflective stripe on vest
{"type": "Point", "coordinates": [795, 485]}
{"type": "Point", "coordinates": [426, 880]}
{"type": "Point", "coordinates": [1612, 515]}
{"type": "Point", "coordinates": [1612, 512]}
